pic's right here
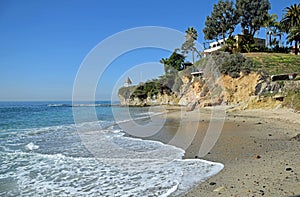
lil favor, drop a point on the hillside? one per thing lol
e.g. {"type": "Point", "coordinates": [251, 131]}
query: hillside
{"type": "Point", "coordinates": [275, 63]}
{"type": "Point", "coordinates": [232, 79]}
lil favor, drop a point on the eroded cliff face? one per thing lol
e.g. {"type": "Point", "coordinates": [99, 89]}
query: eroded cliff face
{"type": "Point", "coordinates": [239, 90]}
{"type": "Point", "coordinates": [221, 78]}
{"type": "Point", "coordinates": [224, 89]}
{"type": "Point", "coordinates": [159, 99]}
{"type": "Point", "coordinates": [204, 91]}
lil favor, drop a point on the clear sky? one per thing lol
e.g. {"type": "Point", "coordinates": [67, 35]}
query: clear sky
{"type": "Point", "coordinates": [43, 43]}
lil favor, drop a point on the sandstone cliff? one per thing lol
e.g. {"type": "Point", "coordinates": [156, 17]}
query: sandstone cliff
{"type": "Point", "coordinates": [200, 91]}
{"type": "Point", "coordinates": [224, 79]}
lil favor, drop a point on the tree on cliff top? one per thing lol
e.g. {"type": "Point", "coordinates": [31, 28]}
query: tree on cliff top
{"type": "Point", "coordinates": [291, 17]}
{"type": "Point", "coordinates": [189, 44]}
{"type": "Point", "coordinates": [174, 62]}
{"type": "Point", "coordinates": [270, 24]}
{"type": "Point", "coordinates": [222, 22]}
{"type": "Point", "coordinates": [291, 22]}
{"type": "Point", "coordinates": [294, 35]}
{"type": "Point", "coordinates": [253, 14]}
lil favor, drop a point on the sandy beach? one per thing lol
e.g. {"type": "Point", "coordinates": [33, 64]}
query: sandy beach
{"type": "Point", "coordinates": [255, 146]}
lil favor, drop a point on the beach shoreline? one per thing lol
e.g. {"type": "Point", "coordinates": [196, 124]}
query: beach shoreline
{"type": "Point", "coordinates": [259, 156]}
{"type": "Point", "coordinates": [255, 146]}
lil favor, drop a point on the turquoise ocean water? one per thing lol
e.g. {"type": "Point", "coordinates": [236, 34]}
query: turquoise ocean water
{"type": "Point", "coordinates": [42, 154]}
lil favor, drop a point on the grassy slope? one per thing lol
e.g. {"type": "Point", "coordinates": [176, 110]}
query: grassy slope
{"type": "Point", "coordinates": [276, 63]}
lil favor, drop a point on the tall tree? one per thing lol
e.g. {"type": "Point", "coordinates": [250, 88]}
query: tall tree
{"type": "Point", "coordinates": [278, 31]}
{"type": "Point", "coordinates": [173, 63]}
{"type": "Point", "coordinates": [222, 22]}
{"type": "Point", "coordinates": [291, 22]}
{"type": "Point", "coordinates": [269, 23]}
{"type": "Point", "coordinates": [294, 35]}
{"type": "Point", "coordinates": [291, 17]}
{"type": "Point", "coordinates": [253, 14]}
{"type": "Point", "coordinates": [189, 44]}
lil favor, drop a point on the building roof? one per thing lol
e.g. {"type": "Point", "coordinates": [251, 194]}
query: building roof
{"type": "Point", "coordinates": [217, 45]}
{"type": "Point", "coordinates": [197, 72]}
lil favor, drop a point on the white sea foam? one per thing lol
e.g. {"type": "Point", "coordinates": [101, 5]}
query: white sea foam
{"type": "Point", "coordinates": [53, 175]}
{"type": "Point", "coordinates": [89, 126]}
{"type": "Point", "coordinates": [142, 116]}
{"type": "Point", "coordinates": [150, 113]}
{"type": "Point", "coordinates": [78, 105]}
{"type": "Point", "coordinates": [31, 146]}
{"type": "Point", "coordinates": [122, 166]}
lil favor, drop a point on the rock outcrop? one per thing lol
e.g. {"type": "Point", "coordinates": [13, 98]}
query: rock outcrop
{"type": "Point", "coordinates": [201, 91]}
{"type": "Point", "coordinates": [248, 91]}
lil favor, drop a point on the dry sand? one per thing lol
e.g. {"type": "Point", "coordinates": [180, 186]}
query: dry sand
{"type": "Point", "coordinates": [255, 147]}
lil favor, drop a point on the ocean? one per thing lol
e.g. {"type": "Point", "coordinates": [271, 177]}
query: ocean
{"type": "Point", "coordinates": [42, 153]}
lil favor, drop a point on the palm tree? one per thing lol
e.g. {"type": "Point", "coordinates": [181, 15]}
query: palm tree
{"type": "Point", "coordinates": [269, 23]}
{"type": "Point", "coordinates": [291, 22]}
{"type": "Point", "coordinates": [189, 45]}
{"type": "Point", "coordinates": [291, 17]}
{"type": "Point", "coordinates": [191, 33]}
{"type": "Point", "coordinates": [294, 35]}
{"type": "Point", "coordinates": [278, 31]}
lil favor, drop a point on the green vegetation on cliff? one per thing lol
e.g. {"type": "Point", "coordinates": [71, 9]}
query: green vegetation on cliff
{"type": "Point", "coordinates": [278, 63]}
{"type": "Point", "coordinates": [292, 100]}
{"type": "Point", "coordinates": [172, 83]}
{"type": "Point", "coordinates": [167, 84]}
{"type": "Point", "coordinates": [275, 63]}
{"type": "Point", "coordinates": [231, 64]}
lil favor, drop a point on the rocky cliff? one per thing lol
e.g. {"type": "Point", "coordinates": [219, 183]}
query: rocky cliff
{"type": "Point", "coordinates": [199, 91]}
{"type": "Point", "coordinates": [214, 86]}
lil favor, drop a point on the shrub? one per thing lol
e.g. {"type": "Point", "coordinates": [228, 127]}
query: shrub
{"type": "Point", "coordinates": [232, 64]}
{"type": "Point", "coordinates": [177, 84]}
{"type": "Point", "coordinates": [292, 99]}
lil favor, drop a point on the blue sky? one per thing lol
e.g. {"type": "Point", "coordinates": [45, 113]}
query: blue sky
{"type": "Point", "coordinates": [43, 43]}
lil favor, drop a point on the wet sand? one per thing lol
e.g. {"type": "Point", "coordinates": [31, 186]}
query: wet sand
{"type": "Point", "coordinates": [259, 156]}
{"type": "Point", "coordinates": [255, 146]}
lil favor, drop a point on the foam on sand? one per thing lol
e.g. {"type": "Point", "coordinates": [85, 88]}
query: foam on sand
{"type": "Point", "coordinates": [121, 166]}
